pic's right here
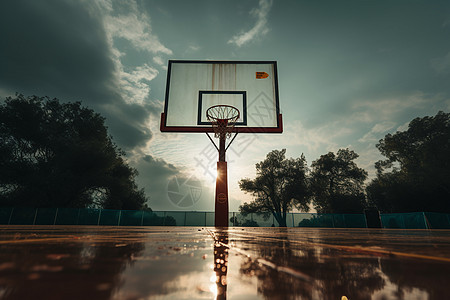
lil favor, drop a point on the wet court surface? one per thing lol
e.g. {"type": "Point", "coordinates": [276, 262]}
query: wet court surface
{"type": "Point", "coordinates": [70, 262]}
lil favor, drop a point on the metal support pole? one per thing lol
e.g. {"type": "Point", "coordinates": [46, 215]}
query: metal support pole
{"type": "Point", "coordinates": [221, 202]}
{"type": "Point", "coordinates": [222, 148]}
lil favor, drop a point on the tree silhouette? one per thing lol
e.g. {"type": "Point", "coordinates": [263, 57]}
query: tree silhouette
{"type": "Point", "coordinates": [280, 184]}
{"type": "Point", "coordinates": [337, 184]}
{"type": "Point", "coordinates": [415, 176]}
{"type": "Point", "coordinates": [56, 154]}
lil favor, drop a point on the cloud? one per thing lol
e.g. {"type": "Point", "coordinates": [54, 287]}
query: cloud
{"type": "Point", "coordinates": [158, 60]}
{"type": "Point", "coordinates": [133, 26]}
{"type": "Point", "coordinates": [259, 29]}
{"type": "Point", "coordinates": [57, 49]}
{"type": "Point", "coordinates": [71, 50]}
{"type": "Point", "coordinates": [134, 85]}
{"type": "Point", "coordinates": [389, 108]}
{"type": "Point", "coordinates": [441, 64]}
{"type": "Point", "coordinates": [158, 177]}
{"type": "Point", "coordinates": [377, 131]}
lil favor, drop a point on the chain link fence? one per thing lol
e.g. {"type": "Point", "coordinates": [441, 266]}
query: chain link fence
{"type": "Point", "coordinates": [109, 217]}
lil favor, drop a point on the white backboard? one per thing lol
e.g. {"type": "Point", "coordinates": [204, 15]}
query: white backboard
{"type": "Point", "coordinates": [194, 86]}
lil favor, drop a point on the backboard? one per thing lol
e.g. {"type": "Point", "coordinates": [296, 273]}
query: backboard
{"type": "Point", "coordinates": [194, 86]}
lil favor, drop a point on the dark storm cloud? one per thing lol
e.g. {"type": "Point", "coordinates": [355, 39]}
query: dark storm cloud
{"type": "Point", "coordinates": [155, 174]}
{"type": "Point", "coordinates": [60, 49]}
{"type": "Point", "coordinates": [53, 46]}
{"type": "Point", "coordinates": [127, 125]}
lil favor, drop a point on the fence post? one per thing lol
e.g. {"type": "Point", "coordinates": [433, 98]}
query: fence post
{"type": "Point", "coordinates": [425, 220]}
{"type": "Point", "coordinates": [56, 215]}
{"type": "Point", "coordinates": [120, 215]}
{"type": "Point", "coordinates": [142, 219]}
{"type": "Point", "coordinates": [293, 224]}
{"type": "Point", "coordinates": [35, 214]}
{"type": "Point", "coordinates": [10, 215]}
{"type": "Point", "coordinates": [99, 215]}
{"type": "Point", "coordinates": [78, 216]}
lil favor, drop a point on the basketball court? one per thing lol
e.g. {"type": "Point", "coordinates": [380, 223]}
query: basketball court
{"type": "Point", "coordinates": [95, 262]}
{"type": "Point", "coordinates": [226, 98]}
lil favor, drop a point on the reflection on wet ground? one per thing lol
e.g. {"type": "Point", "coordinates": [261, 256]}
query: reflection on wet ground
{"type": "Point", "coordinates": [70, 262]}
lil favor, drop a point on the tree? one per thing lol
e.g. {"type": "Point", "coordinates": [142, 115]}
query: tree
{"type": "Point", "coordinates": [337, 184]}
{"type": "Point", "coordinates": [280, 184]}
{"type": "Point", "coordinates": [60, 155]}
{"type": "Point", "coordinates": [415, 176]}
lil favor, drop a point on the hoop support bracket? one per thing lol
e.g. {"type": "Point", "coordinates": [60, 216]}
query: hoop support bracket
{"type": "Point", "coordinates": [213, 141]}
{"type": "Point", "coordinates": [229, 142]}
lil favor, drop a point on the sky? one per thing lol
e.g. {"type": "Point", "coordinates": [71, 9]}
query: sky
{"type": "Point", "coordinates": [349, 73]}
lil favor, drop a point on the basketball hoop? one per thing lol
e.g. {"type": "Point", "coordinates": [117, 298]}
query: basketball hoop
{"type": "Point", "coordinates": [223, 119]}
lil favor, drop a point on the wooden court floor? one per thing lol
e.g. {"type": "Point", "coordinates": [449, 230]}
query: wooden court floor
{"type": "Point", "coordinates": [91, 262]}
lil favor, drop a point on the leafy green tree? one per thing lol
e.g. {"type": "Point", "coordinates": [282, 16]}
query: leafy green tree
{"type": "Point", "coordinates": [280, 185]}
{"type": "Point", "coordinates": [337, 184]}
{"type": "Point", "coordinates": [56, 154]}
{"type": "Point", "coordinates": [415, 176]}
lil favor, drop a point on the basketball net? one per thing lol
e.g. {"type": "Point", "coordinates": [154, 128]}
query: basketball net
{"type": "Point", "coordinates": [223, 119]}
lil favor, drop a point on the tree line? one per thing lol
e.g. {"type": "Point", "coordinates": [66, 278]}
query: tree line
{"type": "Point", "coordinates": [415, 176]}
{"type": "Point", "coordinates": [56, 154]}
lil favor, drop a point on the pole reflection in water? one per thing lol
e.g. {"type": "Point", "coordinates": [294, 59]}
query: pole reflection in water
{"type": "Point", "coordinates": [221, 263]}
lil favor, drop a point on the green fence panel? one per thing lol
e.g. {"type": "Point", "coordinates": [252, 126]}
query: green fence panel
{"type": "Point", "coordinates": [109, 217]}
{"type": "Point", "coordinates": [438, 220]}
{"type": "Point", "coordinates": [175, 218]}
{"type": "Point", "coordinates": [265, 220]}
{"type": "Point", "coordinates": [89, 216]}
{"type": "Point", "coordinates": [5, 215]}
{"type": "Point", "coordinates": [23, 216]}
{"type": "Point", "coordinates": [45, 216]}
{"type": "Point", "coordinates": [153, 218]}
{"type": "Point", "coordinates": [68, 216]}
{"type": "Point", "coordinates": [210, 219]}
{"type": "Point", "coordinates": [339, 221]}
{"type": "Point", "coordinates": [131, 218]}
{"type": "Point", "coordinates": [354, 220]}
{"type": "Point", "coordinates": [195, 219]}
{"type": "Point", "coordinates": [242, 220]}
{"type": "Point", "coordinates": [289, 220]}
{"type": "Point", "coordinates": [414, 220]}
{"type": "Point", "coordinates": [323, 220]}
{"type": "Point", "coordinates": [392, 221]}
{"type": "Point", "coordinates": [303, 219]}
